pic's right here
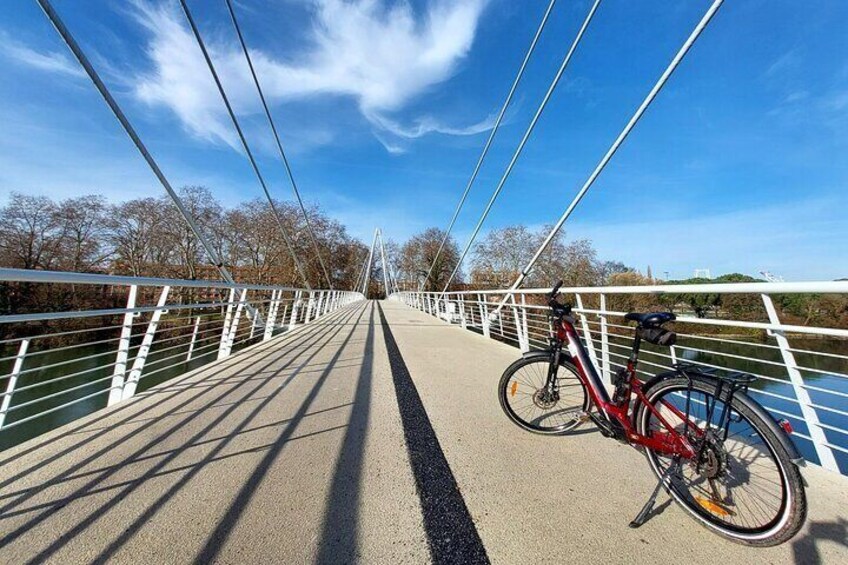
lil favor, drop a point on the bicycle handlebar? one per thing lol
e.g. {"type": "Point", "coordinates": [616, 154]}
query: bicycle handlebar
{"type": "Point", "coordinates": [552, 297]}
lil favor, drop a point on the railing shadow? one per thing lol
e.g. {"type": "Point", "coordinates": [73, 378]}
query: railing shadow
{"type": "Point", "coordinates": [219, 536]}
{"type": "Point", "coordinates": [340, 529]}
{"type": "Point", "coordinates": [805, 548]}
{"type": "Point", "coordinates": [310, 340]}
{"type": "Point", "coordinates": [170, 388]}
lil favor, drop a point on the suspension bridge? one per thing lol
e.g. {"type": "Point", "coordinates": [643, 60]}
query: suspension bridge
{"type": "Point", "coordinates": [218, 421]}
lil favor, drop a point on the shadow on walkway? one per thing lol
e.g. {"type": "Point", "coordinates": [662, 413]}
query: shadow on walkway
{"type": "Point", "coordinates": [240, 385]}
{"type": "Point", "coordinates": [451, 534]}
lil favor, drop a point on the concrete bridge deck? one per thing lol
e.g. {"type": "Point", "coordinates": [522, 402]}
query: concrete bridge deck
{"type": "Point", "coordinates": [372, 435]}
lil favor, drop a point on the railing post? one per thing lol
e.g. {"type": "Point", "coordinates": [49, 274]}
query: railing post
{"type": "Point", "coordinates": [283, 317]}
{"type": "Point", "coordinates": [141, 357]}
{"type": "Point", "coordinates": [310, 304]}
{"type": "Point", "coordinates": [484, 316]}
{"type": "Point", "coordinates": [228, 318]}
{"type": "Point", "coordinates": [605, 353]}
{"type": "Point", "coordinates": [524, 325]}
{"type": "Point", "coordinates": [193, 338]}
{"type": "Point", "coordinates": [318, 309]}
{"type": "Point", "coordinates": [520, 328]}
{"type": "Point", "coordinates": [232, 329]}
{"type": "Point", "coordinates": [272, 314]}
{"type": "Point", "coordinates": [462, 320]}
{"type": "Point", "coordinates": [500, 324]}
{"type": "Point", "coordinates": [13, 380]}
{"type": "Point", "coordinates": [587, 334]}
{"type": "Point", "coordinates": [116, 390]}
{"type": "Point", "coordinates": [295, 306]}
{"type": "Point", "coordinates": [817, 434]}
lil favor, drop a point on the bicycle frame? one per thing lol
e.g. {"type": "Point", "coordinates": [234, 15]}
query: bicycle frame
{"type": "Point", "coordinates": [670, 442]}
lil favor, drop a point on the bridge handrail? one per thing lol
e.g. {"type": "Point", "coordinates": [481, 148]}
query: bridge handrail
{"type": "Point", "coordinates": [165, 329]}
{"type": "Point", "coordinates": [813, 287]}
{"type": "Point", "coordinates": [63, 277]}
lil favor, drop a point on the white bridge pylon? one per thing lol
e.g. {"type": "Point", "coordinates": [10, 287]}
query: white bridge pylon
{"type": "Point", "coordinates": [389, 281]}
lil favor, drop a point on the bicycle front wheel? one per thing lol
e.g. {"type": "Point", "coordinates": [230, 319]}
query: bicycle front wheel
{"type": "Point", "coordinates": [743, 484]}
{"type": "Point", "coordinates": [526, 401]}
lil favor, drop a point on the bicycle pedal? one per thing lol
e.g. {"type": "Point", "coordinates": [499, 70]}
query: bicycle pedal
{"type": "Point", "coordinates": [603, 425]}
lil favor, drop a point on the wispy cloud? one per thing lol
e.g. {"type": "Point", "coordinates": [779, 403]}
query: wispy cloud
{"type": "Point", "coordinates": [50, 62]}
{"type": "Point", "coordinates": [382, 56]}
{"type": "Point", "coordinates": [787, 62]}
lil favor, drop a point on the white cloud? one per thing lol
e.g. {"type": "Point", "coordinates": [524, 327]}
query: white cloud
{"type": "Point", "coordinates": [51, 62]}
{"type": "Point", "coordinates": [379, 55]}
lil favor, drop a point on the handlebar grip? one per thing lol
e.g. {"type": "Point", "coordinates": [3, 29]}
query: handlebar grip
{"type": "Point", "coordinates": [555, 291]}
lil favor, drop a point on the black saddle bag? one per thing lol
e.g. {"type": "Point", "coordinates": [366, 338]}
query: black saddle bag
{"type": "Point", "coordinates": [658, 336]}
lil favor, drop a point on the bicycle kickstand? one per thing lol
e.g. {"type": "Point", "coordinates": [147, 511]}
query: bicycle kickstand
{"type": "Point", "coordinates": [642, 517]}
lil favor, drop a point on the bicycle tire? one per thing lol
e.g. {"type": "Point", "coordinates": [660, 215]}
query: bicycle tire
{"type": "Point", "coordinates": [578, 400]}
{"type": "Point", "coordinates": [790, 515]}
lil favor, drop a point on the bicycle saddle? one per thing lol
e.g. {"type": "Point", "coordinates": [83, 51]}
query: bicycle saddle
{"type": "Point", "coordinates": [650, 319]}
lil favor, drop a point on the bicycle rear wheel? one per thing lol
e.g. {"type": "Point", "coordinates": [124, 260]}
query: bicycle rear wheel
{"type": "Point", "coordinates": [525, 400]}
{"type": "Point", "coordinates": [743, 487]}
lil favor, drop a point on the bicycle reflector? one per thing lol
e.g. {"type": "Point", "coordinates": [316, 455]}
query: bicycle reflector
{"type": "Point", "coordinates": [713, 507]}
{"type": "Point", "coordinates": [514, 388]}
{"type": "Point", "coordinates": [785, 425]}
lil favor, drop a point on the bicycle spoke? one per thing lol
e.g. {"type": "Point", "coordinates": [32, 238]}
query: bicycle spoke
{"type": "Point", "coordinates": [738, 483]}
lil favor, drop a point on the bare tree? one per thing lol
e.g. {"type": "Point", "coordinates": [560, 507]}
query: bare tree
{"type": "Point", "coordinates": [417, 254]}
{"type": "Point", "coordinates": [30, 232]}
{"type": "Point", "coordinates": [206, 213]}
{"type": "Point", "coordinates": [133, 230]}
{"type": "Point", "coordinates": [500, 256]}
{"type": "Point", "coordinates": [84, 227]}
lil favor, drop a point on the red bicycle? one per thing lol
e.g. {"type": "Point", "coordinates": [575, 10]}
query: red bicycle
{"type": "Point", "coordinates": [719, 454]}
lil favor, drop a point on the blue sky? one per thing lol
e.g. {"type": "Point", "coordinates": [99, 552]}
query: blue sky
{"type": "Point", "coordinates": [739, 165]}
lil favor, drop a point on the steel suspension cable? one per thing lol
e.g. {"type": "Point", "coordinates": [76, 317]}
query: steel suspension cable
{"type": "Point", "coordinates": [614, 147]}
{"type": "Point", "coordinates": [524, 139]}
{"type": "Point", "coordinates": [69, 40]}
{"type": "Point", "coordinates": [361, 272]}
{"type": "Point", "coordinates": [247, 150]}
{"type": "Point", "coordinates": [279, 143]}
{"type": "Point", "coordinates": [494, 131]}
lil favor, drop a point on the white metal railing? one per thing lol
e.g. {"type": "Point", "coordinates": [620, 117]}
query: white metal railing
{"type": "Point", "coordinates": [104, 335]}
{"type": "Point", "coordinates": [802, 370]}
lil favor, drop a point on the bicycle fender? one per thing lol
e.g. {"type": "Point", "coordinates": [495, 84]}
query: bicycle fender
{"type": "Point", "coordinates": [542, 353]}
{"type": "Point", "coordinates": [784, 438]}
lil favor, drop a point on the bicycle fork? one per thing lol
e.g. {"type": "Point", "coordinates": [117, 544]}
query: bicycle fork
{"type": "Point", "coordinates": [551, 383]}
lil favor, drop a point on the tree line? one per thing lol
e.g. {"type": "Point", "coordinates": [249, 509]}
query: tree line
{"type": "Point", "coordinates": [149, 237]}
{"type": "Point", "coordinates": [497, 260]}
